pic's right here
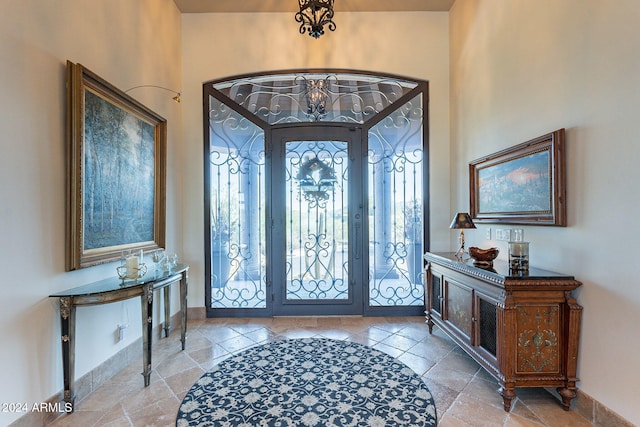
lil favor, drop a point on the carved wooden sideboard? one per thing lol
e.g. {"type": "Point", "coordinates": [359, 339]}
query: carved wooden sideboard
{"type": "Point", "coordinates": [523, 329]}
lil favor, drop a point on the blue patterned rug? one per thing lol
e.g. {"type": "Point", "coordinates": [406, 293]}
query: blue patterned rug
{"type": "Point", "coordinates": [309, 382]}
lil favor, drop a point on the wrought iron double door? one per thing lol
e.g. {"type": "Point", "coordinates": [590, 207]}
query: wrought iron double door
{"type": "Point", "coordinates": [316, 220]}
{"type": "Point", "coordinates": [315, 208]}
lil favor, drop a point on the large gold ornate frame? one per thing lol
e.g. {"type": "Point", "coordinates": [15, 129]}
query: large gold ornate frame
{"type": "Point", "coordinates": [145, 182]}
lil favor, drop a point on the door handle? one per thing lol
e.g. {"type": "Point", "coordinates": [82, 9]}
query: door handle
{"type": "Point", "coordinates": [357, 237]}
{"type": "Point", "coordinates": [357, 242]}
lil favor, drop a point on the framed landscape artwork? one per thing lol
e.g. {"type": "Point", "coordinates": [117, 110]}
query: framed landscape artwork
{"type": "Point", "coordinates": [524, 184]}
{"type": "Point", "coordinates": [116, 172]}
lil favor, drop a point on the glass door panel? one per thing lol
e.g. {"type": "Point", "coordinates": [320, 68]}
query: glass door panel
{"type": "Point", "coordinates": [396, 208]}
{"type": "Point", "coordinates": [235, 269]}
{"type": "Point", "coordinates": [316, 214]}
{"type": "Point", "coordinates": [317, 222]}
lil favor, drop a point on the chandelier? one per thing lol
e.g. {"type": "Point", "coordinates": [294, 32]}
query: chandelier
{"type": "Point", "coordinates": [314, 15]}
{"type": "Point", "coordinates": [316, 95]}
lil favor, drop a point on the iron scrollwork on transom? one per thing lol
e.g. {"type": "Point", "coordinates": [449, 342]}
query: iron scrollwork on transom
{"type": "Point", "coordinates": [303, 97]}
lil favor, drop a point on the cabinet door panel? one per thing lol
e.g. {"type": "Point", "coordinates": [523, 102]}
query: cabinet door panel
{"type": "Point", "coordinates": [539, 338]}
{"type": "Point", "coordinates": [459, 300]}
{"type": "Point", "coordinates": [486, 317]}
{"type": "Point", "coordinates": [436, 293]}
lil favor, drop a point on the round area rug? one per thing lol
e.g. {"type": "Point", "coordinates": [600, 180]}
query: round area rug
{"type": "Point", "coordinates": [309, 382]}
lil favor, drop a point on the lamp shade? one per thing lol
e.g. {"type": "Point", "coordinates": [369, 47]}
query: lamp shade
{"type": "Point", "coordinates": [462, 220]}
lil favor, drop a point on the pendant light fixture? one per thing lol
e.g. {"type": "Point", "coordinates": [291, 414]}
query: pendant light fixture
{"type": "Point", "coordinates": [314, 15]}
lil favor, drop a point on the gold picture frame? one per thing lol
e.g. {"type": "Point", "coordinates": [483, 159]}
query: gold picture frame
{"type": "Point", "coordinates": [116, 172]}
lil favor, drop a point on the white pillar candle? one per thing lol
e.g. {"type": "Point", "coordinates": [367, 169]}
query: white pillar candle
{"type": "Point", "coordinates": [131, 263]}
{"type": "Point", "coordinates": [518, 249]}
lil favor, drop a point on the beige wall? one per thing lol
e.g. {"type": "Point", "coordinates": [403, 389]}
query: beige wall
{"type": "Point", "coordinates": [128, 43]}
{"type": "Point", "coordinates": [523, 68]}
{"type": "Point", "coordinates": [220, 45]}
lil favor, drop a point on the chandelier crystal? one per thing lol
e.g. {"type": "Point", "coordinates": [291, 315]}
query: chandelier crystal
{"type": "Point", "coordinates": [314, 15]}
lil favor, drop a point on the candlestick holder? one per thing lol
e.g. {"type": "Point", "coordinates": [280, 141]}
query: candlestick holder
{"type": "Point", "coordinates": [519, 256]}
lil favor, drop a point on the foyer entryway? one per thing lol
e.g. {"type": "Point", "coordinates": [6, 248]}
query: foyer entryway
{"type": "Point", "coordinates": [315, 194]}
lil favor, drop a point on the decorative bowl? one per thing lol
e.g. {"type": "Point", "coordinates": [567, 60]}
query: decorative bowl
{"type": "Point", "coordinates": [483, 257]}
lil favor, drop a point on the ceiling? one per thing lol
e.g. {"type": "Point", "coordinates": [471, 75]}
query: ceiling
{"type": "Point", "coordinates": [207, 6]}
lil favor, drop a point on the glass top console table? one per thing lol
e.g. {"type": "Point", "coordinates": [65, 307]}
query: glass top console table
{"type": "Point", "coordinates": [112, 290]}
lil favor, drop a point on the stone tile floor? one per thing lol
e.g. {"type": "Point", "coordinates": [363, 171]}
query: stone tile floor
{"type": "Point", "coordinates": [465, 394]}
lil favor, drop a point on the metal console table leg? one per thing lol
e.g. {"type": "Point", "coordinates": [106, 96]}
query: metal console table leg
{"type": "Point", "coordinates": [147, 329]}
{"type": "Point", "coordinates": [68, 339]}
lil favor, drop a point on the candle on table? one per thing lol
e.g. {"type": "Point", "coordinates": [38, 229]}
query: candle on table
{"type": "Point", "coordinates": [519, 256]}
{"type": "Point", "coordinates": [131, 263]}
{"type": "Point", "coordinates": [518, 249]}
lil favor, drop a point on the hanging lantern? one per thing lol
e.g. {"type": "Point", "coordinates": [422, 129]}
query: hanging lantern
{"type": "Point", "coordinates": [314, 15]}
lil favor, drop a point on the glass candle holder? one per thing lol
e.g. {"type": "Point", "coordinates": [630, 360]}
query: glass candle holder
{"type": "Point", "coordinates": [157, 256]}
{"type": "Point", "coordinates": [131, 264]}
{"type": "Point", "coordinates": [519, 256]}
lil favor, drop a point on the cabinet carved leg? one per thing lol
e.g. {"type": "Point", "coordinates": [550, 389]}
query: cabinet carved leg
{"type": "Point", "coordinates": [567, 395]}
{"type": "Point", "coordinates": [507, 396]}
{"type": "Point", "coordinates": [430, 323]}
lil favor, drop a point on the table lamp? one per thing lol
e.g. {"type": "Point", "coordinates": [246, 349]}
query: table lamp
{"type": "Point", "coordinates": [461, 220]}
